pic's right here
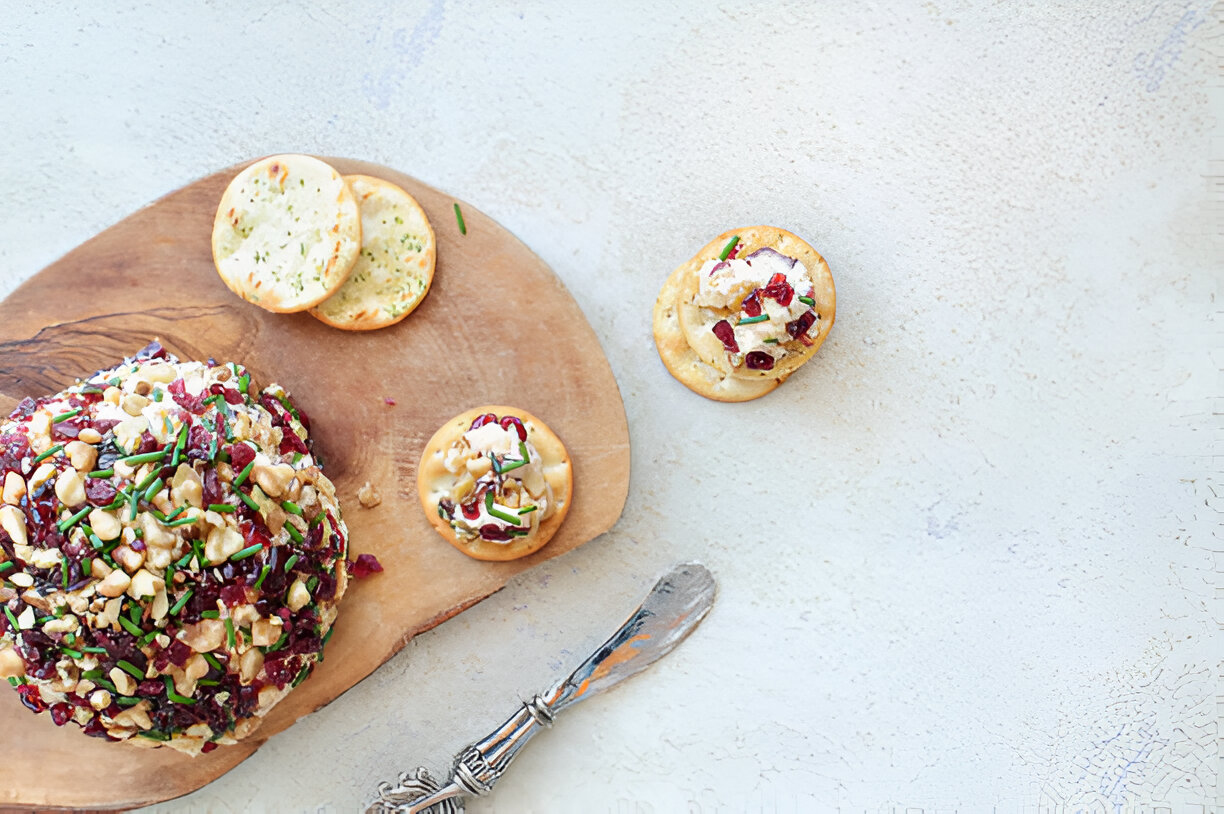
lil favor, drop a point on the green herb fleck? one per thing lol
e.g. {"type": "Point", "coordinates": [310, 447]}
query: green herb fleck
{"type": "Point", "coordinates": [459, 218]}
{"type": "Point", "coordinates": [727, 249]}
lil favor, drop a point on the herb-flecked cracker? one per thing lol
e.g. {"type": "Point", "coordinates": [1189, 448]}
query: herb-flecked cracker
{"type": "Point", "coordinates": [396, 265]}
{"type": "Point", "coordinates": [287, 233]}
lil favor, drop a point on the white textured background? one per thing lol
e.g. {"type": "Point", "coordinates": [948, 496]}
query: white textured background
{"type": "Point", "coordinates": [969, 556]}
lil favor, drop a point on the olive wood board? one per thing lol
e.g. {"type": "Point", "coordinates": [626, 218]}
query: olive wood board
{"type": "Point", "coordinates": [498, 327]}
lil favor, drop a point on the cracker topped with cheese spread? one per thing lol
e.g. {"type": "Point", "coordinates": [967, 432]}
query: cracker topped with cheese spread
{"type": "Point", "coordinates": [496, 482]}
{"type": "Point", "coordinates": [287, 233]}
{"type": "Point", "coordinates": [744, 313]}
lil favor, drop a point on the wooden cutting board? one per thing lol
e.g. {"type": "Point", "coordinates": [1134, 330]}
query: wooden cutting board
{"type": "Point", "coordinates": [498, 327]}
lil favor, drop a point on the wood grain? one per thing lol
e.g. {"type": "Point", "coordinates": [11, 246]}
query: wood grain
{"type": "Point", "coordinates": [498, 327]}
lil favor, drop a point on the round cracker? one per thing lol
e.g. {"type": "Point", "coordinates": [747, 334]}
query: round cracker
{"type": "Point", "coordinates": [395, 268]}
{"type": "Point", "coordinates": [697, 322]}
{"type": "Point", "coordinates": [434, 482]}
{"type": "Point", "coordinates": [683, 363]}
{"type": "Point", "coordinates": [287, 233]}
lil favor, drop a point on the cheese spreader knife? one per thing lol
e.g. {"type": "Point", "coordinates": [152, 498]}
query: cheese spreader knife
{"type": "Point", "coordinates": [674, 607]}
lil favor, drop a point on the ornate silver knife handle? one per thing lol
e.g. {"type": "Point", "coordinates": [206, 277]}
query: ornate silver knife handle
{"type": "Point", "coordinates": [677, 603]}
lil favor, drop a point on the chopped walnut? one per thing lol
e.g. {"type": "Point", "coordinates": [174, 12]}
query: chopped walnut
{"type": "Point", "coordinates": [368, 495]}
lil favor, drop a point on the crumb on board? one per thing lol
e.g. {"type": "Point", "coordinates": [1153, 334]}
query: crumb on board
{"type": "Point", "coordinates": [368, 496]}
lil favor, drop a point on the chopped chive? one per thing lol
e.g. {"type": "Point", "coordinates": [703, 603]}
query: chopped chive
{"type": "Point", "coordinates": [65, 416]}
{"type": "Point", "coordinates": [753, 320]}
{"type": "Point", "coordinates": [144, 458]}
{"type": "Point", "coordinates": [288, 405]}
{"type": "Point", "coordinates": [154, 735]}
{"type": "Point", "coordinates": [68, 523]}
{"type": "Point", "coordinates": [176, 512]}
{"type": "Point", "coordinates": [173, 524]}
{"type": "Point", "coordinates": [102, 473]}
{"type": "Point", "coordinates": [242, 476]}
{"type": "Point", "coordinates": [292, 508]}
{"type": "Point", "coordinates": [528, 510]}
{"type": "Point", "coordinates": [178, 446]}
{"type": "Point", "coordinates": [134, 612]}
{"type": "Point", "coordinates": [182, 600]}
{"type": "Point", "coordinates": [69, 638]}
{"type": "Point", "coordinates": [294, 533]}
{"type": "Point", "coordinates": [4, 566]}
{"type": "Point", "coordinates": [13, 681]}
{"type": "Point", "coordinates": [212, 660]}
{"type": "Point", "coordinates": [230, 638]}
{"type": "Point", "coordinates": [263, 574]}
{"type": "Point", "coordinates": [131, 627]}
{"type": "Point", "coordinates": [248, 500]}
{"type": "Point", "coordinates": [221, 507]}
{"type": "Point", "coordinates": [12, 619]}
{"type": "Point", "coordinates": [68, 651]}
{"type": "Point", "coordinates": [459, 218]}
{"type": "Point", "coordinates": [92, 674]}
{"type": "Point", "coordinates": [87, 567]}
{"type": "Point", "coordinates": [126, 701]}
{"type": "Point", "coordinates": [807, 300]}
{"type": "Point", "coordinates": [153, 489]}
{"type": "Point", "coordinates": [210, 614]}
{"type": "Point", "coordinates": [279, 644]}
{"type": "Point", "coordinates": [107, 685]}
{"type": "Point", "coordinates": [771, 341]}
{"type": "Point", "coordinates": [327, 635]}
{"type": "Point", "coordinates": [318, 518]}
{"type": "Point", "coordinates": [512, 466]}
{"type": "Point", "coordinates": [148, 637]}
{"type": "Point", "coordinates": [208, 682]}
{"type": "Point", "coordinates": [49, 453]}
{"type": "Point", "coordinates": [186, 558]}
{"type": "Point", "coordinates": [64, 573]}
{"type": "Point", "coordinates": [93, 649]}
{"type": "Point", "coordinates": [292, 561]}
{"type": "Point", "coordinates": [131, 669]}
{"type": "Point", "coordinates": [301, 676]}
{"type": "Point", "coordinates": [173, 695]}
{"type": "Point", "coordinates": [523, 451]}
{"type": "Point", "coordinates": [518, 532]}
{"type": "Point", "coordinates": [244, 382]}
{"type": "Point", "coordinates": [133, 497]}
{"type": "Point", "coordinates": [144, 484]}
{"type": "Point", "coordinates": [727, 249]}
{"type": "Point", "coordinates": [249, 551]}
{"type": "Point", "coordinates": [311, 584]}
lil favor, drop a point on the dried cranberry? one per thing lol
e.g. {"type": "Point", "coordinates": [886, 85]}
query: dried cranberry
{"type": "Point", "coordinates": [153, 350]}
{"type": "Point", "coordinates": [13, 447]}
{"type": "Point", "coordinates": [233, 595]}
{"type": "Point", "coordinates": [387, 400]}
{"type": "Point", "coordinates": [364, 565]}
{"type": "Point", "coordinates": [31, 697]}
{"type": "Point", "coordinates": [480, 421]}
{"type": "Point", "coordinates": [178, 391]}
{"type": "Point", "coordinates": [514, 421]}
{"type": "Point", "coordinates": [69, 428]}
{"type": "Point", "coordinates": [447, 507]}
{"type": "Point", "coordinates": [290, 443]}
{"type": "Point", "coordinates": [494, 533]}
{"type": "Point", "coordinates": [147, 443]}
{"type": "Point", "coordinates": [800, 326]}
{"type": "Point", "coordinates": [151, 687]}
{"type": "Point", "coordinates": [99, 492]}
{"type": "Point", "coordinates": [231, 396]}
{"type": "Point", "coordinates": [24, 409]}
{"type": "Point", "coordinates": [104, 425]}
{"type": "Point", "coordinates": [208, 747]}
{"type": "Point", "coordinates": [759, 360]}
{"type": "Point", "coordinates": [752, 304]}
{"type": "Point", "coordinates": [471, 509]}
{"type": "Point", "coordinates": [240, 456]}
{"type": "Point", "coordinates": [199, 439]}
{"type": "Point", "coordinates": [212, 487]}
{"type": "Point", "coordinates": [61, 713]}
{"type": "Point", "coordinates": [779, 290]}
{"type": "Point", "coordinates": [726, 334]}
